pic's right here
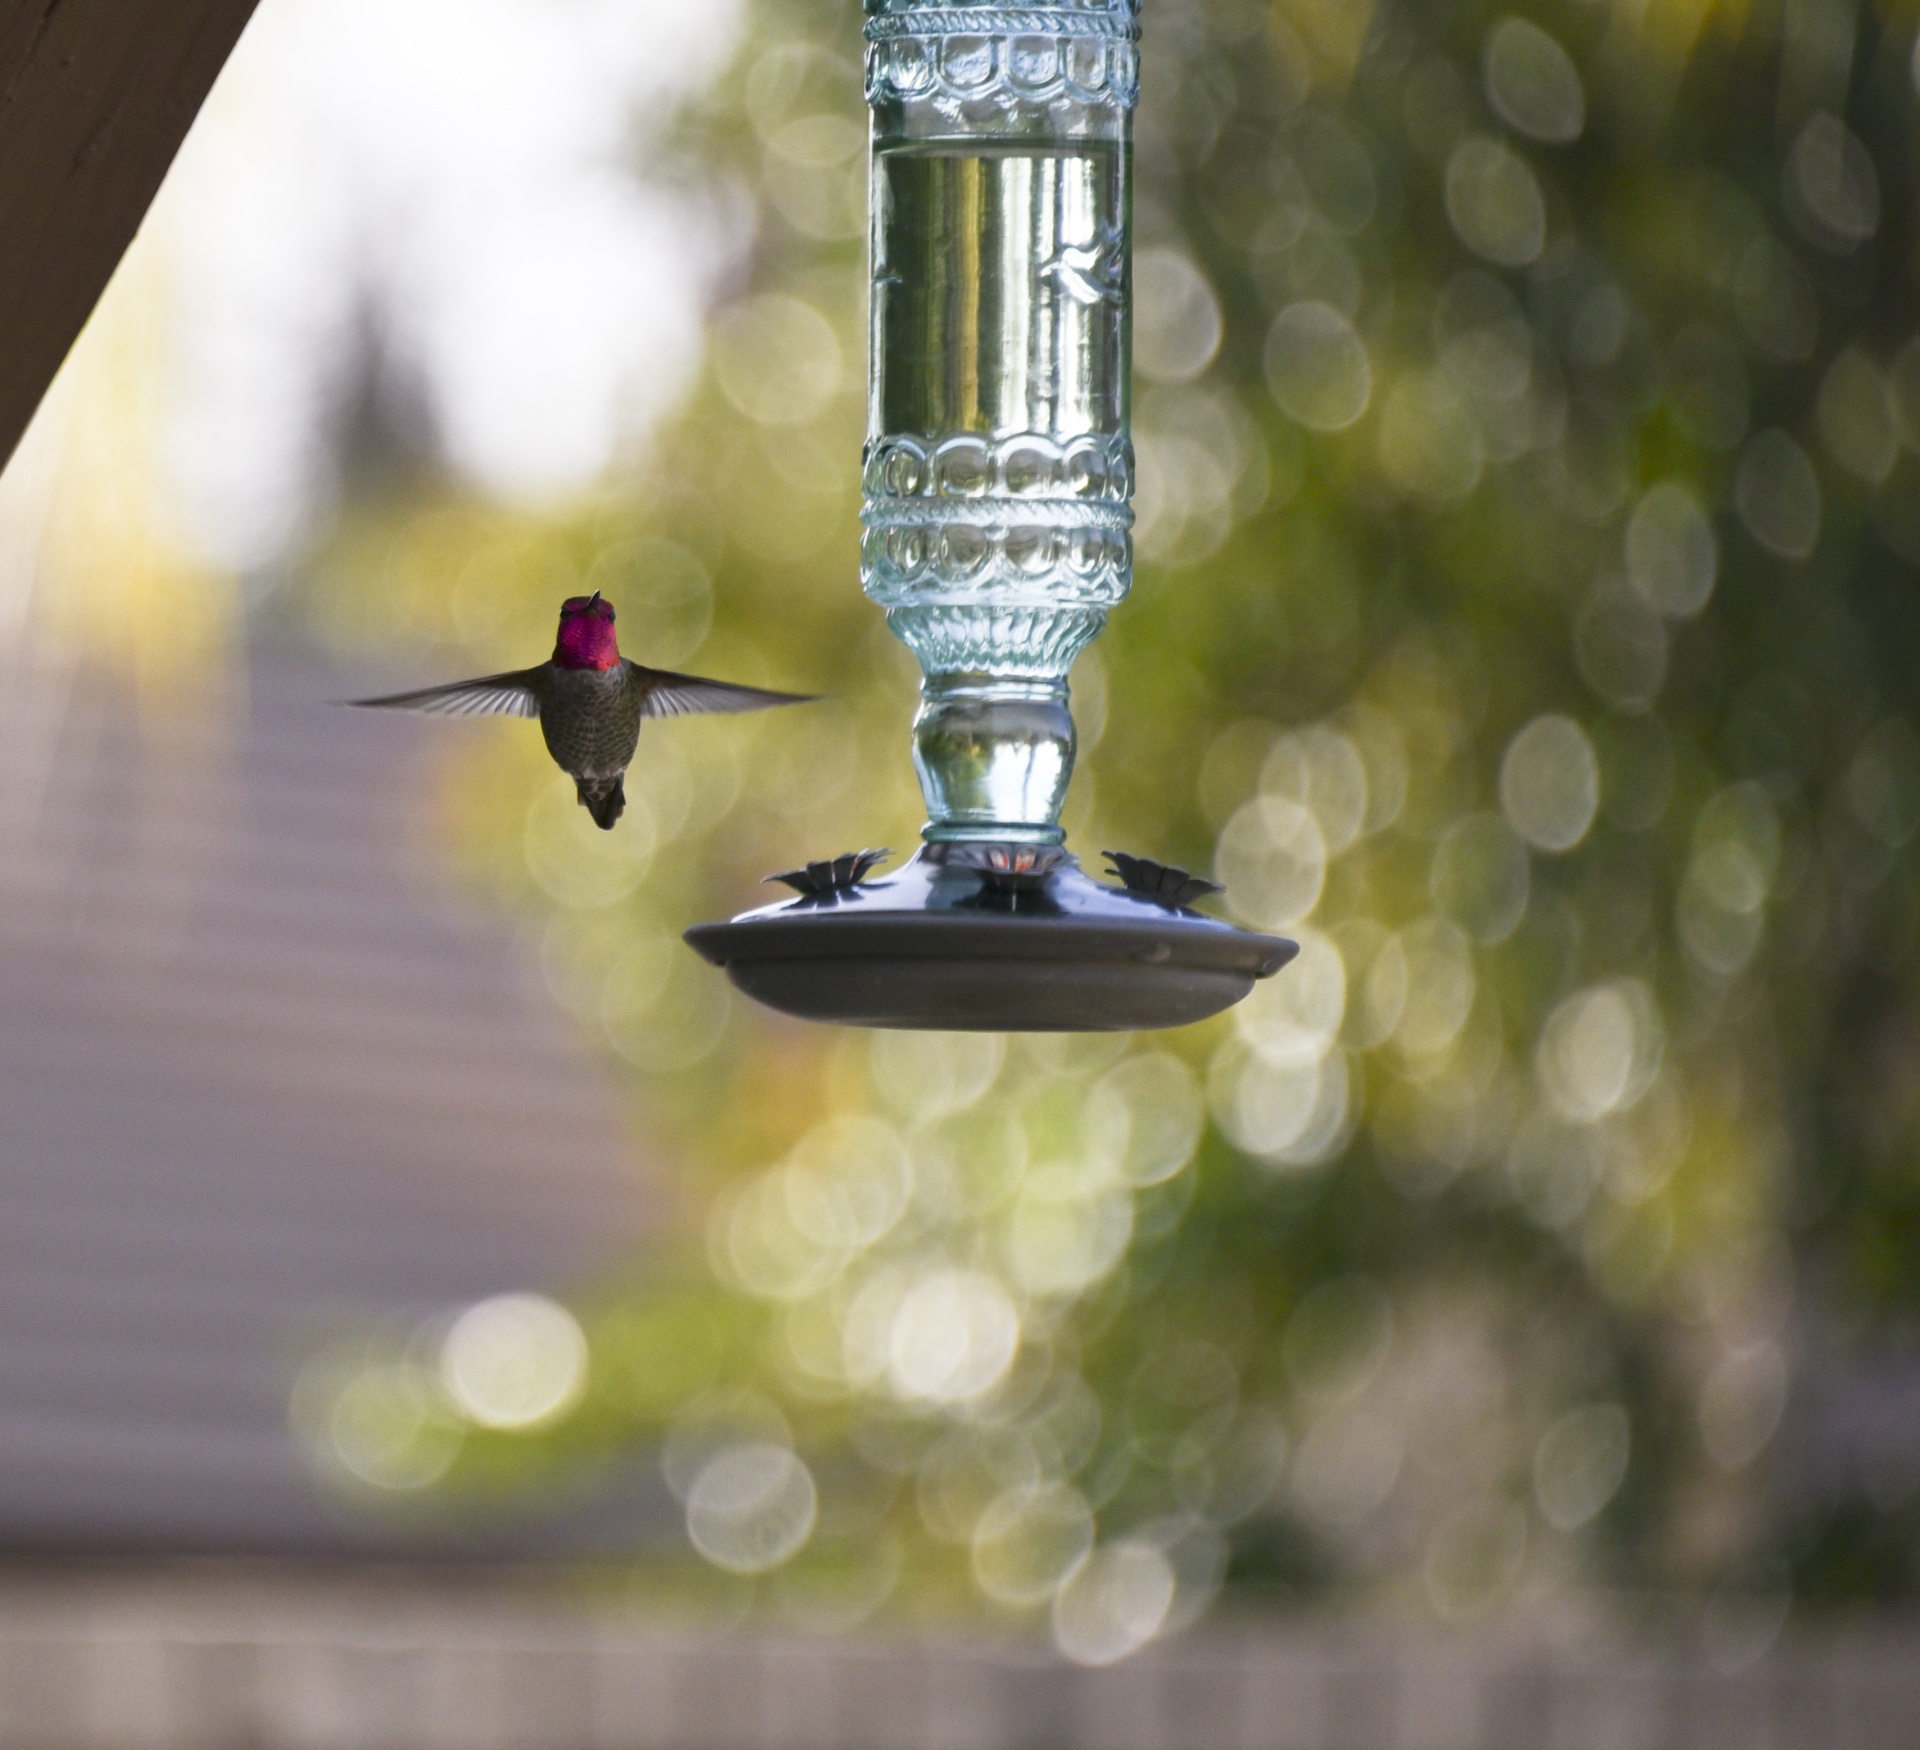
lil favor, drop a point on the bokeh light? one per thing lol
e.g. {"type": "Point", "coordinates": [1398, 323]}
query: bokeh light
{"type": "Point", "coordinates": [1532, 82]}
{"type": "Point", "coordinates": [514, 1361]}
{"type": "Point", "coordinates": [1114, 1604]}
{"type": "Point", "coordinates": [1580, 1464]}
{"type": "Point", "coordinates": [1318, 367]}
{"type": "Point", "coordinates": [953, 1335]}
{"type": "Point", "coordinates": [751, 1507]}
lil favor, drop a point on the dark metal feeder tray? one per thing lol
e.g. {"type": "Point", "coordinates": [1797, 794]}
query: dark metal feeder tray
{"type": "Point", "coordinates": [989, 939]}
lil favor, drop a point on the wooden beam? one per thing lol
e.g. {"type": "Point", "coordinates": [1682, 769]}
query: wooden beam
{"type": "Point", "coordinates": [95, 98]}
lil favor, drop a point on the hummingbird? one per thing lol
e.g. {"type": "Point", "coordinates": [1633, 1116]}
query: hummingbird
{"type": "Point", "coordinates": [590, 701]}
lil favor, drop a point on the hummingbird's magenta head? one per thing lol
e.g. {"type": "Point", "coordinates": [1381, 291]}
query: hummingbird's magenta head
{"type": "Point", "coordinates": [586, 633]}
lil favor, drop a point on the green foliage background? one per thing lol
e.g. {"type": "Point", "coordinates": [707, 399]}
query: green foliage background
{"type": "Point", "coordinates": [1525, 619]}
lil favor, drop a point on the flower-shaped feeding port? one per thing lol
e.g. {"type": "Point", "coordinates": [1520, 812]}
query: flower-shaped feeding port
{"type": "Point", "coordinates": [1160, 881]}
{"type": "Point", "coordinates": [998, 536]}
{"type": "Point", "coordinates": [841, 874]}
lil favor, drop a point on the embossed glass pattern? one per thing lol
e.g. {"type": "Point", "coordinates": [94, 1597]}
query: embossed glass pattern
{"type": "Point", "coordinates": [999, 471]}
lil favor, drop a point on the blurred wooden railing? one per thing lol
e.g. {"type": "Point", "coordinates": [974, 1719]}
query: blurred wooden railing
{"type": "Point", "coordinates": [198, 1665]}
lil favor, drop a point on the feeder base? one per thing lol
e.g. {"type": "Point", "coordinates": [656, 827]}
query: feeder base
{"type": "Point", "coordinates": [953, 946]}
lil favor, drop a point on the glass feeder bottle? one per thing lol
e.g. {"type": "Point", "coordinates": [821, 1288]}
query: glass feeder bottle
{"type": "Point", "coordinates": [998, 466]}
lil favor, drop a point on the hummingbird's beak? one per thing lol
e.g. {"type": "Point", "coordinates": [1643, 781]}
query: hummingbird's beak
{"type": "Point", "coordinates": [593, 601]}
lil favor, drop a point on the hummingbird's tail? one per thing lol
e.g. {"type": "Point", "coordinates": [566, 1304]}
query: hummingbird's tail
{"type": "Point", "coordinates": [604, 798]}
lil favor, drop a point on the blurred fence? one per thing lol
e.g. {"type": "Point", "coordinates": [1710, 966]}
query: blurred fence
{"type": "Point", "coordinates": [155, 1666]}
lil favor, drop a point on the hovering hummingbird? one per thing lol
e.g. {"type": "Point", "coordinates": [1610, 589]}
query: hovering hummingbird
{"type": "Point", "coordinates": [590, 701]}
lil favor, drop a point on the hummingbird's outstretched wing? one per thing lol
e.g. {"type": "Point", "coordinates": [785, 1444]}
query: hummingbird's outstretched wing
{"type": "Point", "coordinates": [666, 694]}
{"type": "Point", "coordinates": [515, 694]}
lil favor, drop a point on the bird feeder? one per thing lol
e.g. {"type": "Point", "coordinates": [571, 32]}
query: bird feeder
{"type": "Point", "coordinates": [997, 514]}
